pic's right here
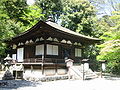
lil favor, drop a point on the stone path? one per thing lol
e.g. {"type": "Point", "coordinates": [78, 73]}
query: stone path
{"type": "Point", "coordinates": [112, 83]}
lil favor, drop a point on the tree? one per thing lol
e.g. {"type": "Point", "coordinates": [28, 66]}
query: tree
{"type": "Point", "coordinates": [8, 29]}
{"type": "Point", "coordinates": [15, 9]}
{"type": "Point", "coordinates": [110, 49]}
{"type": "Point", "coordinates": [16, 17]}
{"type": "Point", "coordinates": [9, 25]}
{"type": "Point", "coordinates": [78, 15]}
{"type": "Point", "coordinates": [32, 15]}
{"type": "Point", "coordinates": [51, 8]}
{"type": "Point", "coordinates": [3, 13]}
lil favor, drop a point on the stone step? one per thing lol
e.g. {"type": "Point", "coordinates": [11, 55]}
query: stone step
{"type": "Point", "coordinates": [89, 74]}
{"type": "Point", "coordinates": [90, 77]}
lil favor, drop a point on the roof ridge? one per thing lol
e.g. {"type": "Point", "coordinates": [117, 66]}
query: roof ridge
{"type": "Point", "coordinates": [59, 27]}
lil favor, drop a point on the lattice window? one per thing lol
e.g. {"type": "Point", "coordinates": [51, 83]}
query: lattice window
{"type": "Point", "coordinates": [78, 52]}
{"type": "Point", "coordinates": [52, 49]}
{"type": "Point", "coordinates": [39, 50]}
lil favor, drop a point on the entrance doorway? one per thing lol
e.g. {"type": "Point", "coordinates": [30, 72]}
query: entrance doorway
{"type": "Point", "coordinates": [66, 52]}
{"type": "Point", "coordinates": [29, 52]}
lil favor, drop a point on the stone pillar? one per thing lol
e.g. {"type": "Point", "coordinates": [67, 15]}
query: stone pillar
{"type": "Point", "coordinates": [86, 66]}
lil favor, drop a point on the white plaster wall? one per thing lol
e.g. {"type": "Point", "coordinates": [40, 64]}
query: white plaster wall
{"type": "Point", "coordinates": [49, 71]}
{"type": "Point", "coordinates": [34, 73]}
{"type": "Point", "coordinates": [20, 52]}
{"type": "Point", "coordinates": [61, 71]}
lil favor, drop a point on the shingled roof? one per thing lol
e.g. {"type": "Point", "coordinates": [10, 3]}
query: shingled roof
{"type": "Point", "coordinates": [69, 31]}
{"type": "Point", "coordinates": [53, 27]}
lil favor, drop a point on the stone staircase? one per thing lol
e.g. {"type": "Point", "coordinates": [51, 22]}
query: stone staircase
{"type": "Point", "coordinates": [77, 73]}
{"type": "Point", "coordinates": [89, 74]}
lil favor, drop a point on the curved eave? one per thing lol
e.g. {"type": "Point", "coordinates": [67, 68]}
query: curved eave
{"type": "Point", "coordinates": [32, 29]}
{"type": "Point", "coordinates": [56, 27]}
{"type": "Point", "coordinates": [11, 40]}
{"type": "Point", "coordinates": [65, 30]}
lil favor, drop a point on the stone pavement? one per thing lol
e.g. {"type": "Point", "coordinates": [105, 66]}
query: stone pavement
{"type": "Point", "coordinates": [112, 83]}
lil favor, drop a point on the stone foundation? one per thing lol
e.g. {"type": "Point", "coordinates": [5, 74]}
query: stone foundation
{"type": "Point", "coordinates": [8, 76]}
{"type": "Point", "coordinates": [47, 78]}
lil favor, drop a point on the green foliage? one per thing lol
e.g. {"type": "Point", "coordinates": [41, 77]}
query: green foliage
{"type": "Point", "coordinates": [15, 9]}
{"type": "Point", "coordinates": [8, 29]}
{"type": "Point", "coordinates": [51, 8]}
{"type": "Point", "coordinates": [3, 14]}
{"type": "Point", "coordinates": [78, 16]}
{"type": "Point", "coordinates": [16, 17]}
{"type": "Point", "coordinates": [91, 52]}
{"type": "Point", "coordinates": [10, 24]}
{"type": "Point", "coordinates": [32, 15]}
{"type": "Point", "coordinates": [110, 49]}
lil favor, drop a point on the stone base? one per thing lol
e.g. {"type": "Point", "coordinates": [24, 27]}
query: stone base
{"type": "Point", "coordinates": [8, 76]}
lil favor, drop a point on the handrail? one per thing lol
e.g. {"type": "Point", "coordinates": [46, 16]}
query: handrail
{"type": "Point", "coordinates": [46, 60]}
{"type": "Point", "coordinates": [32, 60]}
{"type": "Point", "coordinates": [77, 72]}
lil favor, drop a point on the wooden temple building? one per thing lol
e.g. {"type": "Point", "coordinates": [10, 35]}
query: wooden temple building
{"type": "Point", "coordinates": [46, 46]}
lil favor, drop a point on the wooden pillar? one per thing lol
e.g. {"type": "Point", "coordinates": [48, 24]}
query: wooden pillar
{"type": "Point", "coordinates": [23, 68]}
{"type": "Point", "coordinates": [56, 69]}
{"type": "Point", "coordinates": [42, 68]}
{"type": "Point", "coordinates": [45, 48]}
{"type": "Point", "coordinates": [42, 65]}
{"type": "Point", "coordinates": [72, 51]}
{"type": "Point", "coordinates": [44, 56]}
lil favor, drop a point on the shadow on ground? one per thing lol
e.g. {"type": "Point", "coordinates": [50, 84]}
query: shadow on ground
{"type": "Point", "coordinates": [111, 77]}
{"type": "Point", "coordinates": [14, 84]}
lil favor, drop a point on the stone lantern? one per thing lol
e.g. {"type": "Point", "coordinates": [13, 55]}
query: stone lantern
{"type": "Point", "coordinates": [8, 60]}
{"type": "Point", "coordinates": [8, 75]}
{"type": "Point", "coordinates": [85, 66]}
{"type": "Point", "coordinates": [86, 63]}
{"type": "Point", "coordinates": [103, 66]}
{"type": "Point", "coordinates": [69, 64]}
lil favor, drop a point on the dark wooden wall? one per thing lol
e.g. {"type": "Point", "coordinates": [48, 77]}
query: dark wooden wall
{"type": "Point", "coordinates": [29, 52]}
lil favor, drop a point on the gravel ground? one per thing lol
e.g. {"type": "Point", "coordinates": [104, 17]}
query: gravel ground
{"type": "Point", "coordinates": [16, 84]}
{"type": "Point", "coordinates": [108, 83]}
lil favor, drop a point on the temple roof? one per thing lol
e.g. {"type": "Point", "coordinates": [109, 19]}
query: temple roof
{"type": "Point", "coordinates": [69, 31]}
{"type": "Point", "coordinates": [51, 26]}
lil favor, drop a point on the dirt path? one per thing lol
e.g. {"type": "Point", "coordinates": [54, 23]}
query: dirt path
{"type": "Point", "coordinates": [95, 84]}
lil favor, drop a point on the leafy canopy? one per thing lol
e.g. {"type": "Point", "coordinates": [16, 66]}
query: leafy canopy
{"type": "Point", "coordinates": [78, 16]}
{"type": "Point", "coordinates": [110, 49]}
